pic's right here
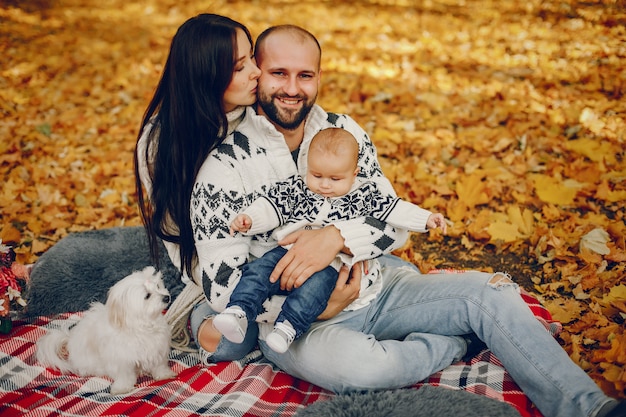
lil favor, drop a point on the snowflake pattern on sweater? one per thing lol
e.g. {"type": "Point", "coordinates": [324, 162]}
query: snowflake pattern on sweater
{"type": "Point", "coordinates": [292, 202]}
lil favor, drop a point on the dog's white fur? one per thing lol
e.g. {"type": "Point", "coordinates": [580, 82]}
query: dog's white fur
{"type": "Point", "coordinates": [121, 339]}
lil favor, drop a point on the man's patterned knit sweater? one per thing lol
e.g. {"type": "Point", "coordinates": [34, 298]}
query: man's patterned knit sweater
{"type": "Point", "coordinates": [241, 169]}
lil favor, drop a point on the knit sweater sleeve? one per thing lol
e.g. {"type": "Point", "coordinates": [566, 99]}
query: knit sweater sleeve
{"type": "Point", "coordinates": [264, 216]}
{"type": "Point", "coordinates": [409, 216]}
{"type": "Point", "coordinates": [276, 207]}
{"type": "Point", "coordinates": [393, 210]}
{"type": "Point", "coordinates": [214, 203]}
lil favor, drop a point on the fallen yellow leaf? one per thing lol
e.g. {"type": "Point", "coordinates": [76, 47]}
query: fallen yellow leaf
{"type": "Point", "coordinates": [551, 190]}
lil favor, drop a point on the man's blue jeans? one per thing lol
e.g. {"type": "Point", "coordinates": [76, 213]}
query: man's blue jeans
{"type": "Point", "coordinates": [302, 305]}
{"type": "Point", "coordinates": [411, 330]}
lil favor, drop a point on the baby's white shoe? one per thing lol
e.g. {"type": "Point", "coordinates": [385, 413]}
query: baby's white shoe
{"type": "Point", "coordinates": [281, 337]}
{"type": "Point", "coordinates": [232, 323]}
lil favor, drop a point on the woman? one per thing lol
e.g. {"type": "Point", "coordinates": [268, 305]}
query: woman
{"type": "Point", "coordinates": [208, 78]}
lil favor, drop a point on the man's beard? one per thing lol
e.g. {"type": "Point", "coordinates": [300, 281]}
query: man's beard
{"type": "Point", "coordinates": [285, 120]}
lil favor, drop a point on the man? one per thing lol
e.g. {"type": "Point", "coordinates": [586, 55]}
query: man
{"type": "Point", "coordinates": [414, 325]}
{"type": "Point", "coordinates": [423, 310]}
{"type": "Point", "coordinates": [286, 95]}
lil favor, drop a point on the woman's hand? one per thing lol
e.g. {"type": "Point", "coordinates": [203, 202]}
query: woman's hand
{"type": "Point", "coordinates": [346, 291]}
{"type": "Point", "coordinates": [312, 251]}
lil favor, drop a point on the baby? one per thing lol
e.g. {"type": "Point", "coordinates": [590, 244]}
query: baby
{"type": "Point", "coordinates": [331, 192]}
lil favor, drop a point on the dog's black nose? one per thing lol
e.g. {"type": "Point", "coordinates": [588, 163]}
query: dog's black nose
{"type": "Point", "coordinates": [166, 299]}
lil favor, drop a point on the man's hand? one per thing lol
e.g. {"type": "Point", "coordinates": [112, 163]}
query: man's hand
{"type": "Point", "coordinates": [312, 251]}
{"type": "Point", "coordinates": [346, 291]}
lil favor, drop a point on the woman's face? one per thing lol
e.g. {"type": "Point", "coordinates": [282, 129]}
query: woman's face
{"type": "Point", "coordinates": [242, 88]}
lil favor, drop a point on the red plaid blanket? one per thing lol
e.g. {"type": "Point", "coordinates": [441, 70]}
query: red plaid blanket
{"type": "Point", "coordinates": [247, 388]}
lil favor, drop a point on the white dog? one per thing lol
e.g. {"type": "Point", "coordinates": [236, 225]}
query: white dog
{"type": "Point", "coordinates": [121, 339]}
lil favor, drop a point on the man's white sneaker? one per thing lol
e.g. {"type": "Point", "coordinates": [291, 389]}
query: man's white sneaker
{"type": "Point", "coordinates": [281, 337]}
{"type": "Point", "coordinates": [232, 323]}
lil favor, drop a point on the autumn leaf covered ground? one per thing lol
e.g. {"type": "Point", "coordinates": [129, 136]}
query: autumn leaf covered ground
{"type": "Point", "coordinates": [509, 117]}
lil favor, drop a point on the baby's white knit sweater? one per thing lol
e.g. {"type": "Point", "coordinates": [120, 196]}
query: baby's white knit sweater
{"type": "Point", "coordinates": [290, 205]}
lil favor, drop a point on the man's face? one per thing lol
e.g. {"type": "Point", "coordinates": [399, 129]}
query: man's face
{"type": "Point", "coordinates": [289, 81]}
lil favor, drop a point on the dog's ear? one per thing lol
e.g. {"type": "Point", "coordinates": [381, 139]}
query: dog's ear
{"type": "Point", "coordinates": [116, 314]}
{"type": "Point", "coordinates": [116, 309]}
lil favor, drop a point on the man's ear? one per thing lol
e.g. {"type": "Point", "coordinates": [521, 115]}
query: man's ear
{"type": "Point", "coordinates": [356, 171]}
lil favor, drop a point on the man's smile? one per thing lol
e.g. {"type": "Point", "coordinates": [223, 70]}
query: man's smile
{"type": "Point", "coordinates": [289, 101]}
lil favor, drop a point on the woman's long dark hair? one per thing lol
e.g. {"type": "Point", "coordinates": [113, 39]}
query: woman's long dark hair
{"type": "Point", "coordinates": [189, 119]}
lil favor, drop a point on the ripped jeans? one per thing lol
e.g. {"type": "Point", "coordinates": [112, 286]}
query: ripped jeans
{"type": "Point", "coordinates": [229, 351]}
{"type": "Point", "coordinates": [404, 336]}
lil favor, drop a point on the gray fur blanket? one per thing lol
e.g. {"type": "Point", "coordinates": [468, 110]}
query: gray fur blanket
{"type": "Point", "coordinates": [81, 267]}
{"type": "Point", "coordinates": [428, 401]}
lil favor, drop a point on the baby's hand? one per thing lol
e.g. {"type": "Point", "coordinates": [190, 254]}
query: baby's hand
{"type": "Point", "coordinates": [437, 220]}
{"type": "Point", "coordinates": [242, 223]}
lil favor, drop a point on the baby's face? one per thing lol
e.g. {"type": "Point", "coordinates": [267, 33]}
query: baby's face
{"type": "Point", "coordinates": [329, 175]}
